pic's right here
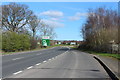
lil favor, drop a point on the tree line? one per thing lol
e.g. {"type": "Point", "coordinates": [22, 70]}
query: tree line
{"type": "Point", "coordinates": [21, 28]}
{"type": "Point", "coordinates": [100, 29]}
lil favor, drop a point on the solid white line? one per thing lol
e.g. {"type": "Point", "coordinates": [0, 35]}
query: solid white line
{"type": "Point", "coordinates": [17, 72]}
{"type": "Point", "coordinates": [38, 64]}
{"type": "Point", "coordinates": [30, 67]}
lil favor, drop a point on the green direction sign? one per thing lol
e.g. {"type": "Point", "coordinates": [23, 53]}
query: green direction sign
{"type": "Point", "coordinates": [45, 41]}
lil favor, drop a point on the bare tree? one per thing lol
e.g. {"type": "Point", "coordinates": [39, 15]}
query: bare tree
{"type": "Point", "coordinates": [15, 16]}
{"type": "Point", "coordinates": [33, 25]}
{"type": "Point", "coordinates": [46, 30]}
{"type": "Point", "coordinates": [100, 28]}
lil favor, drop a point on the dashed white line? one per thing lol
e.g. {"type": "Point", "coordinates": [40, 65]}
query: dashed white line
{"type": "Point", "coordinates": [49, 59]}
{"type": "Point", "coordinates": [53, 58]}
{"type": "Point", "coordinates": [30, 67]}
{"type": "Point", "coordinates": [2, 78]}
{"type": "Point", "coordinates": [44, 61]}
{"type": "Point", "coordinates": [17, 58]}
{"type": "Point", "coordinates": [17, 72]}
{"type": "Point", "coordinates": [38, 64]}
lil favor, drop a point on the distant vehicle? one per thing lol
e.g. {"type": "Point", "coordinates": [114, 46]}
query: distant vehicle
{"type": "Point", "coordinates": [73, 43]}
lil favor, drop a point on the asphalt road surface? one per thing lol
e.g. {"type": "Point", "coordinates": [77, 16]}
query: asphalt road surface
{"type": "Point", "coordinates": [58, 62]}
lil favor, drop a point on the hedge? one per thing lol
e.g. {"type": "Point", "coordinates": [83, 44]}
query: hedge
{"type": "Point", "coordinates": [12, 41]}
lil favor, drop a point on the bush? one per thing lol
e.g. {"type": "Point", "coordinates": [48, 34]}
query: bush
{"type": "Point", "coordinates": [33, 43]}
{"type": "Point", "coordinates": [12, 41]}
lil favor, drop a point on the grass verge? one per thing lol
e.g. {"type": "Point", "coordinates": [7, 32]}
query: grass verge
{"type": "Point", "coordinates": [117, 56]}
{"type": "Point", "coordinates": [4, 53]}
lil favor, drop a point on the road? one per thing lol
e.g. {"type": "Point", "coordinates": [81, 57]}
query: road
{"type": "Point", "coordinates": [58, 62]}
{"type": "Point", "coordinates": [15, 63]}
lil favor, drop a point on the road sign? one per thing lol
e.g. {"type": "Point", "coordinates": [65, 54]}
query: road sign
{"type": "Point", "coordinates": [45, 37]}
{"type": "Point", "coordinates": [45, 41]}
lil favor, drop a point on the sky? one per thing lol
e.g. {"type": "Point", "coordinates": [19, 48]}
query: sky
{"type": "Point", "coordinates": [67, 18]}
{"type": "Point", "coordinates": [60, 0]}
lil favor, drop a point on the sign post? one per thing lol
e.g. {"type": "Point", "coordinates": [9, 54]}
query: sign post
{"type": "Point", "coordinates": [45, 41]}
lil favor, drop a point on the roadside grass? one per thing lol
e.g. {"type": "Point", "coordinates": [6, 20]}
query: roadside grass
{"type": "Point", "coordinates": [4, 53]}
{"type": "Point", "coordinates": [105, 54]}
{"type": "Point", "coordinates": [117, 56]}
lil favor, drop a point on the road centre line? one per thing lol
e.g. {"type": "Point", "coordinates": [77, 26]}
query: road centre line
{"type": "Point", "coordinates": [30, 67]}
{"type": "Point", "coordinates": [44, 61]}
{"type": "Point", "coordinates": [53, 58]}
{"type": "Point", "coordinates": [17, 58]}
{"type": "Point", "coordinates": [38, 64]}
{"type": "Point", "coordinates": [49, 59]}
{"type": "Point", "coordinates": [17, 72]}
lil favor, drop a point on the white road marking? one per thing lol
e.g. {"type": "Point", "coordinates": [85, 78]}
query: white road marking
{"type": "Point", "coordinates": [30, 67]}
{"type": "Point", "coordinates": [17, 72]}
{"type": "Point", "coordinates": [49, 59]}
{"type": "Point", "coordinates": [44, 61]}
{"type": "Point", "coordinates": [38, 64]}
{"type": "Point", "coordinates": [53, 58]}
{"type": "Point", "coordinates": [17, 58]}
{"type": "Point", "coordinates": [65, 52]}
{"type": "Point", "coordinates": [2, 78]}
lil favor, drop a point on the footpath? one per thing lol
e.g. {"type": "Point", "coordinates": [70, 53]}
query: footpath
{"type": "Point", "coordinates": [112, 63]}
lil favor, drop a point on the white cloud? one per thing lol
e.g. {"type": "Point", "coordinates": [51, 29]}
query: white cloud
{"type": "Point", "coordinates": [54, 19]}
{"type": "Point", "coordinates": [74, 18]}
{"type": "Point", "coordinates": [52, 13]}
{"type": "Point", "coordinates": [81, 14]}
{"type": "Point", "coordinates": [77, 16]}
{"type": "Point", "coordinates": [53, 23]}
